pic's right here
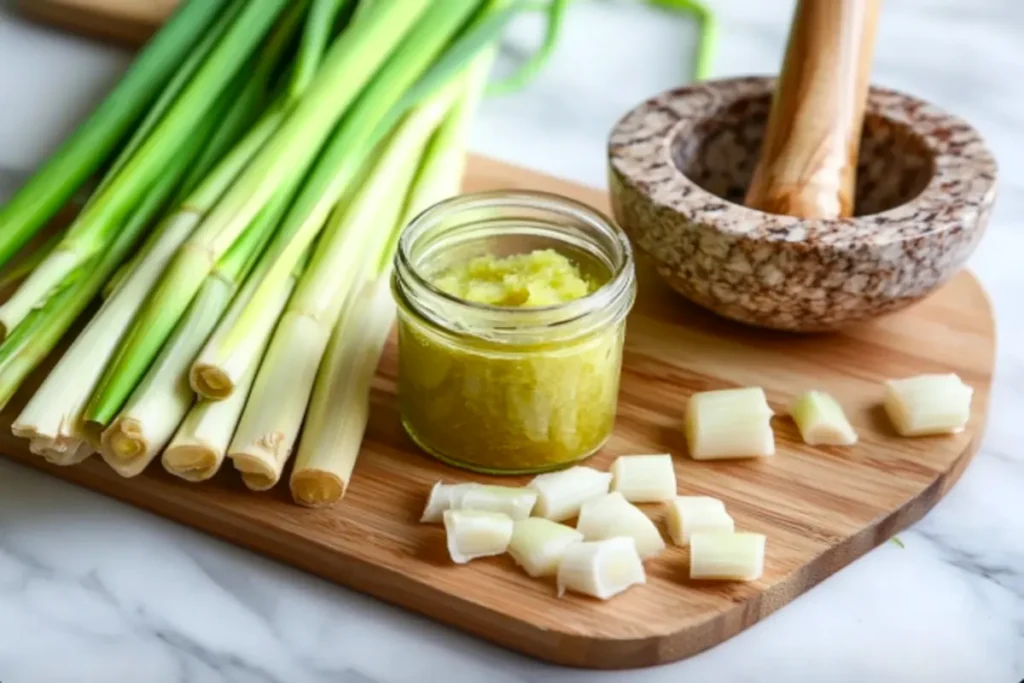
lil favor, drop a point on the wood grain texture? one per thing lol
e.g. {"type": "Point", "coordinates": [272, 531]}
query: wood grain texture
{"type": "Point", "coordinates": [808, 161]}
{"type": "Point", "coordinates": [129, 22]}
{"type": "Point", "coordinates": [821, 508]}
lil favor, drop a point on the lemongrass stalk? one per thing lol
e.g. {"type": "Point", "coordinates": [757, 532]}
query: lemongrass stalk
{"type": "Point", "coordinates": [268, 428]}
{"type": "Point", "coordinates": [170, 93]}
{"type": "Point", "coordinates": [56, 410]}
{"type": "Point", "coordinates": [24, 350]}
{"type": "Point", "coordinates": [81, 453]}
{"type": "Point", "coordinates": [343, 158]}
{"type": "Point", "coordinates": [159, 403]}
{"type": "Point", "coordinates": [99, 220]}
{"type": "Point", "coordinates": [21, 352]}
{"type": "Point", "coordinates": [242, 114]}
{"type": "Point", "coordinates": [315, 39]}
{"type": "Point", "coordinates": [339, 408]}
{"type": "Point", "coordinates": [112, 389]}
{"type": "Point", "coordinates": [91, 144]}
{"type": "Point", "coordinates": [350, 62]}
{"type": "Point", "coordinates": [199, 446]}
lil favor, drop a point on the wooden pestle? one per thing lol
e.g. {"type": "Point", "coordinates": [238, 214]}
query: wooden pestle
{"type": "Point", "coordinates": [808, 160]}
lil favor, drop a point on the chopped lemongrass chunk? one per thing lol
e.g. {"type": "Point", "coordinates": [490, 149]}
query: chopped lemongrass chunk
{"type": "Point", "coordinates": [538, 545]}
{"type": "Point", "coordinates": [517, 503]}
{"type": "Point", "coordinates": [612, 515]}
{"type": "Point", "coordinates": [688, 515]}
{"type": "Point", "coordinates": [928, 404]}
{"type": "Point", "coordinates": [726, 556]}
{"type": "Point", "coordinates": [560, 494]}
{"type": "Point", "coordinates": [644, 478]}
{"type": "Point", "coordinates": [444, 497]}
{"type": "Point", "coordinates": [731, 423]}
{"type": "Point", "coordinates": [476, 533]}
{"type": "Point", "coordinates": [821, 420]}
{"type": "Point", "coordinates": [601, 569]}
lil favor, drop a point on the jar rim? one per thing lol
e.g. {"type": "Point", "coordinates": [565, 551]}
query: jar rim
{"type": "Point", "coordinates": [617, 289]}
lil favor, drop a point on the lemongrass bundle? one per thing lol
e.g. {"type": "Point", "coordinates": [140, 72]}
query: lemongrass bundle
{"type": "Point", "coordinates": [96, 226]}
{"type": "Point", "coordinates": [91, 144]}
{"type": "Point", "coordinates": [350, 62]}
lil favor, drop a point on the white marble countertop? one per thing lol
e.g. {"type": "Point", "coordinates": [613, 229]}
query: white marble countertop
{"type": "Point", "coordinates": [92, 590]}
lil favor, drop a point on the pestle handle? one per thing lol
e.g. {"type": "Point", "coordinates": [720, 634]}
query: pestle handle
{"type": "Point", "coordinates": [808, 160]}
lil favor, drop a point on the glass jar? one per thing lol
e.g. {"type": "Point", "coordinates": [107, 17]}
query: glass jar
{"type": "Point", "coordinates": [510, 390]}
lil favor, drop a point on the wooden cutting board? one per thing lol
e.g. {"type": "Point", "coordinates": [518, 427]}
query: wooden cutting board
{"type": "Point", "coordinates": [821, 508]}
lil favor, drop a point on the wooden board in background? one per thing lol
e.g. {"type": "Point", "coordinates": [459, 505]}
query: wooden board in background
{"type": "Point", "coordinates": [821, 508]}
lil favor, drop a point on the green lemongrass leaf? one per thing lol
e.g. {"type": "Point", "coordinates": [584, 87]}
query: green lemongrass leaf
{"type": "Point", "coordinates": [89, 147]}
{"type": "Point", "coordinates": [708, 32]}
{"type": "Point", "coordinates": [346, 152]}
{"type": "Point", "coordinates": [20, 269]}
{"type": "Point", "coordinates": [316, 36]}
{"type": "Point", "coordinates": [33, 340]}
{"type": "Point", "coordinates": [98, 222]}
{"type": "Point", "coordinates": [556, 10]}
{"type": "Point", "coordinates": [486, 27]}
{"type": "Point", "coordinates": [171, 91]}
{"type": "Point", "coordinates": [895, 540]}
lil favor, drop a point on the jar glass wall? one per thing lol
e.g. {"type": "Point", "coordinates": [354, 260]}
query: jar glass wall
{"type": "Point", "coordinates": [503, 389]}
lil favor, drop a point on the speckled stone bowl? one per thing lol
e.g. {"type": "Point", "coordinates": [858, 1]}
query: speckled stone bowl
{"type": "Point", "coordinates": [679, 167]}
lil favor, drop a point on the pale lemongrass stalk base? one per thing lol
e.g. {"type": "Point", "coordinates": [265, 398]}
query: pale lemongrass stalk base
{"type": "Point", "coordinates": [70, 458]}
{"type": "Point", "coordinates": [159, 403]}
{"type": "Point", "coordinates": [277, 403]}
{"type": "Point", "coordinates": [55, 409]}
{"type": "Point", "coordinates": [200, 445]}
{"type": "Point", "coordinates": [340, 406]}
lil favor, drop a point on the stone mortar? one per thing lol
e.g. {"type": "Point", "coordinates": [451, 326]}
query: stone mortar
{"type": "Point", "coordinates": [679, 167]}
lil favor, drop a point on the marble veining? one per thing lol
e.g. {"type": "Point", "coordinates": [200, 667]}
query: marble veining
{"type": "Point", "coordinates": [95, 591]}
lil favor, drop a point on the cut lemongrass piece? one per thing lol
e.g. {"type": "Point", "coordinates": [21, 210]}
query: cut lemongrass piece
{"type": "Point", "coordinates": [730, 423]}
{"type": "Point", "coordinates": [611, 516]}
{"type": "Point", "coordinates": [443, 497]}
{"type": "Point", "coordinates": [688, 515]}
{"type": "Point", "coordinates": [928, 405]}
{"type": "Point", "coordinates": [560, 494]}
{"type": "Point", "coordinates": [726, 556]}
{"type": "Point", "coordinates": [821, 420]}
{"type": "Point", "coordinates": [517, 503]}
{"type": "Point", "coordinates": [600, 569]}
{"type": "Point", "coordinates": [644, 478]}
{"type": "Point", "coordinates": [67, 458]}
{"type": "Point", "coordinates": [538, 545]}
{"type": "Point", "coordinates": [476, 533]}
